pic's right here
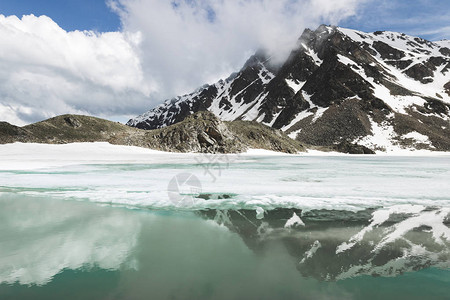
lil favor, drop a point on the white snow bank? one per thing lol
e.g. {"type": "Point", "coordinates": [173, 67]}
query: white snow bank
{"type": "Point", "coordinates": [258, 152]}
{"type": "Point", "coordinates": [418, 137]}
{"type": "Point", "coordinates": [25, 156]}
{"type": "Point", "coordinates": [28, 156]}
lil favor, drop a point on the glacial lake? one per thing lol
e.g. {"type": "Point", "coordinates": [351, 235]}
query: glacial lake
{"type": "Point", "coordinates": [100, 222]}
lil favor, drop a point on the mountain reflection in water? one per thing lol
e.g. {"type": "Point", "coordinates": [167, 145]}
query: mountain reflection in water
{"type": "Point", "coordinates": [51, 247]}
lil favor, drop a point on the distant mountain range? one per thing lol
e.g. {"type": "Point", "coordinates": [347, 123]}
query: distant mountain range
{"type": "Point", "coordinates": [381, 90]}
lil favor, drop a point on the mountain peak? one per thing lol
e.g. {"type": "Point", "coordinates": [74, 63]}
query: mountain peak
{"type": "Point", "coordinates": [383, 90]}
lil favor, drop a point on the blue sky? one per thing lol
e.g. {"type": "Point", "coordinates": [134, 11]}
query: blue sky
{"type": "Point", "coordinates": [130, 55]}
{"type": "Point", "coordinates": [69, 14]}
{"type": "Point", "coordinates": [429, 19]}
{"type": "Point", "coordinates": [426, 18]}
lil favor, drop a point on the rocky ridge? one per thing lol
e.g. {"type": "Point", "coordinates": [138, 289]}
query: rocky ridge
{"type": "Point", "coordinates": [201, 132]}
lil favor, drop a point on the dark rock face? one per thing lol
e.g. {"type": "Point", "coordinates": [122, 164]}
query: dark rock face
{"type": "Point", "coordinates": [339, 123]}
{"type": "Point", "coordinates": [420, 72]}
{"type": "Point", "coordinates": [334, 82]}
{"type": "Point", "coordinates": [387, 52]}
{"type": "Point", "coordinates": [71, 121]}
{"type": "Point", "coordinates": [350, 148]}
{"type": "Point", "coordinates": [400, 64]}
{"type": "Point", "coordinates": [336, 86]}
{"type": "Point", "coordinates": [445, 51]}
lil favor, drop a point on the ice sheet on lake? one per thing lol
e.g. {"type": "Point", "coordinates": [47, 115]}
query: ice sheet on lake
{"type": "Point", "coordinates": [138, 178]}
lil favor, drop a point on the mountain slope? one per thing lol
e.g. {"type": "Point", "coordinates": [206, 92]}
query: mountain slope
{"type": "Point", "coordinates": [383, 90]}
{"type": "Point", "coordinates": [201, 132]}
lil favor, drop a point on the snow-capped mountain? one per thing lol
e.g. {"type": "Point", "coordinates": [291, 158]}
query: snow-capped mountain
{"type": "Point", "coordinates": [382, 90]}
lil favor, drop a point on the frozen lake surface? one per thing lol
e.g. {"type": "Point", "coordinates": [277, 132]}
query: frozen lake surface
{"type": "Point", "coordinates": [123, 222]}
{"type": "Point", "coordinates": [140, 178]}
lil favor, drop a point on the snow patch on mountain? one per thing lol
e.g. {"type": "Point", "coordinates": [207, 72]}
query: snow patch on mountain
{"type": "Point", "coordinates": [418, 137]}
{"type": "Point", "coordinates": [382, 138]}
{"type": "Point", "coordinates": [295, 85]}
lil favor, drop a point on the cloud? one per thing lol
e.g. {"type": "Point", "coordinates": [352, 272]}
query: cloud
{"type": "Point", "coordinates": [436, 33]}
{"type": "Point", "coordinates": [164, 49]}
{"type": "Point", "coordinates": [45, 70]}
{"type": "Point", "coordinates": [186, 43]}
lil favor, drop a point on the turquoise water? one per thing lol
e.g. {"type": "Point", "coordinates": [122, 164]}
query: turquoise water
{"type": "Point", "coordinates": [54, 249]}
{"type": "Point", "coordinates": [95, 232]}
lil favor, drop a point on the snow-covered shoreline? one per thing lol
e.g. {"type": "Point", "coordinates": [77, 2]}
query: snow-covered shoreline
{"type": "Point", "coordinates": [98, 152]}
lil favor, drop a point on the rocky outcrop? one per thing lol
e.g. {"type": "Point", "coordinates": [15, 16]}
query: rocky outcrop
{"type": "Point", "coordinates": [447, 88]}
{"type": "Point", "coordinates": [10, 133]}
{"type": "Point", "coordinates": [263, 137]}
{"type": "Point", "coordinates": [202, 132]}
{"type": "Point", "coordinates": [350, 148]}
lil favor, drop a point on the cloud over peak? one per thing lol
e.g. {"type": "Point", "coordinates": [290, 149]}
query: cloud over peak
{"type": "Point", "coordinates": [165, 48]}
{"type": "Point", "coordinates": [188, 42]}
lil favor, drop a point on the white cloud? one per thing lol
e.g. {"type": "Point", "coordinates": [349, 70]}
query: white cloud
{"type": "Point", "coordinates": [186, 43]}
{"type": "Point", "coordinates": [436, 33]}
{"type": "Point", "coordinates": [45, 70]}
{"type": "Point", "coordinates": [165, 48]}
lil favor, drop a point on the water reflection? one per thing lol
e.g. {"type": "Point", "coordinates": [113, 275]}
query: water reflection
{"type": "Point", "coordinates": [39, 238]}
{"type": "Point", "coordinates": [335, 245]}
{"type": "Point", "coordinates": [115, 253]}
